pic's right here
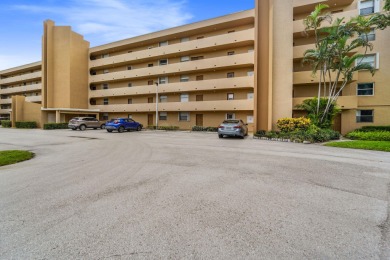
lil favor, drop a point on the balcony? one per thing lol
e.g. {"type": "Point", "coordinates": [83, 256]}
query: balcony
{"type": "Point", "coordinates": [204, 85]}
{"type": "Point", "coordinates": [6, 101]}
{"type": "Point", "coordinates": [299, 27]}
{"type": "Point", "coordinates": [239, 60]}
{"type": "Point", "coordinates": [218, 105]}
{"type": "Point", "coordinates": [34, 99]}
{"type": "Point", "coordinates": [300, 50]}
{"type": "Point", "coordinates": [225, 40]}
{"type": "Point", "coordinates": [5, 111]}
{"type": "Point", "coordinates": [344, 102]}
{"type": "Point", "coordinates": [305, 78]}
{"type": "Point", "coordinates": [22, 89]}
{"type": "Point", "coordinates": [307, 6]}
{"type": "Point", "coordinates": [21, 78]}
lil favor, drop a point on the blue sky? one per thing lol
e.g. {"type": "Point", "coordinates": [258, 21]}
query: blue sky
{"type": "Point", "coordinates": [100, 21]}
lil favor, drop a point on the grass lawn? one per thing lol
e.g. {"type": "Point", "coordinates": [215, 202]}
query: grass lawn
{"type": "Point", "coordinates": [11, 157]}
{"type": "Point", "coordinates": [366, 145]}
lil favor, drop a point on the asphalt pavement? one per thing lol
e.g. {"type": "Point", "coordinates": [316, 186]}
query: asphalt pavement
{"type": "Point", "coordinates": [183, 195]}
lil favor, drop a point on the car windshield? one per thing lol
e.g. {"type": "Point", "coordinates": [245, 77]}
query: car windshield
{"type": "Point", "coordinates": [113, 120]}
{"type": "Point", "coordinates": [231, 122]}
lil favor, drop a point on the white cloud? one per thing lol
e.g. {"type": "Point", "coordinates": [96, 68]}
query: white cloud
{"type": "Point", "coordinates": [102, 21]}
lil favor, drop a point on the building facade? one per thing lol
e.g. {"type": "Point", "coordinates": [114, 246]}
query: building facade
{"type": "Point", "coordinates": [246, 65]}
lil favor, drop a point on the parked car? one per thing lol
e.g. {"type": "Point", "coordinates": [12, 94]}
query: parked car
{"type": "Point", "coordinates": [83, 123]}
{"type": "Point", "coordinates": [233, 127]}
{"type": "Point", "coordinates": [122, 124]}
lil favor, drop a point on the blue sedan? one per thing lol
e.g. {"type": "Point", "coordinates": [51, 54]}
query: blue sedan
{"type": "Point", "coordinates": [122, 124]}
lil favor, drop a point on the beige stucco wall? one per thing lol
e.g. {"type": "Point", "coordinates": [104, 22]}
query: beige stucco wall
{"type": "Point", "coordinates": [25, 111]}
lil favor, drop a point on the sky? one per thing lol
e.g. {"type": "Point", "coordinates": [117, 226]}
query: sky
{"type": "Point", "coordinates": [99, 21]}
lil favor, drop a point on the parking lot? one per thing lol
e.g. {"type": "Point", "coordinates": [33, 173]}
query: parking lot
{"type": "Point", "coordinates": [182, 195]}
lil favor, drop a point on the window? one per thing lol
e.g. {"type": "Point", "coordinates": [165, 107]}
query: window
{"type": "Point", "coordinates": [150, 100]}
{"type": "Point", "coordinates": [105, 101]}
{"type": "Point", "coordinates": [184, 98]}
{"type": "Point", "coordinates": [371, 59]}
{"type": "Point", "coordinates": [185, 39]}
{"type": "Point", "coordinates": [368, 36]}
{"type": "Point", "coordinates": [365, 89]}
{"type": "Point", "coordinates": [130, 101]}
{"type": "Point", "coordinates": [130, 116]}
{"type": "Point", "coordinates": [364, 116]}
{"type": "Point", "coordinates": [197, 58]}
{"type": "Point", "coordinates": [93, 72]}
{"type": "Point", "coordinates": [150, 82]}
{"type": "Point", "coordinates": [129, 67]}
{"type": "Point", "coordinates": [150, 65]}
{"type": "Point", "coordinates": [184, 58]}
{"type": "Point", "coordinates": [164, 43]}
{"type": "Point", "coordinates": [366, 7]}
{"type": "Point", "coordinates": [162, 80]}
{"type": "Point", "coordinates": [163, 99]}
{"type": "Point", "coordinates": [230, 75]}
{"type": "Point", "coordinates": [230, 96]}
{"type": "Point", "coordinates": [250, 96]}
{"type": "Point", "coordinates": [130, 85]}
{"type": "Point", "coordinates": [184, 78]}
{"type": "Point", "coordinates": [251, 73]}
{"type": "Point", "coordinates": [230, 53]}
{"type": "Point", "coordinates": [184, 116]}
{"type": "Point", "coordinates": [199, 98]}
{"type": "Point", "coordinates": [230, 116]}
{"type": "Point", "coordinates": [199, 77]}
{"type": "Point", "coordinates": [163, 62]}
{"type": "Point", "coordinates": [105, 86]}
{"type": "Point", "coordinates": [105, 116]}
{"type": "Point", "coordinates": [163, 116]}
{"type": "Point", "coordinates": [105, 71]}
{"type": "Point", "coordinates": [93, 87]}
{"type": "Point", "coordinates": [105, 55]}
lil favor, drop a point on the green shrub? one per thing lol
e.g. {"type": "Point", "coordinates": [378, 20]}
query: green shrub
{"type": "Point", "coordinates": [369, 136]}
{"type": "Point", "coordinates": [375, 128]}
{"type": "Point", "coordinates": [293, 124]}
{"type": "Point", "coordinates": [166, 128]}
{"type": "Point", "coordinates": [260, 133]}
{"type": "Point", "coordinates": [204, 129]}
{"type": "Point", "coordinates": [52, 126]}
{"type": "Point", "coordinates": [26, 124]}
{"type": "Point", "coordinates": [6, 123]}
{"type": "Point", "coordinates": [318, 118]}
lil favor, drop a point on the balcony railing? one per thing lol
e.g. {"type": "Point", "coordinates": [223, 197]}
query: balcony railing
{"type": "Point", "coordinates": [184, 47]}
{"type": "Point", "coordinates": [214, 84]}
{"type": "Point", "coordinates": [218, 105]}
{"type": "Point", "coordinates": [306, 77]}
{"type": "Point", "coordinates": [344, 102]}
{"type": "Point", "coordinates": [22, 89]}
{"type": "Point", "coordinates": [238, 60]}
{"type": "Point", "coordinates": [34, 99]}
{"type": "Point", "coordinates": [5, 111]}
{"type": "Point", "coordinates": [6, 101]}
{"type": "Point", "coordinates": [24, 77]}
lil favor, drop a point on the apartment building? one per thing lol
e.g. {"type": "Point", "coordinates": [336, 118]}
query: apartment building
{"type": "Point", "coordinates": [246, 65]}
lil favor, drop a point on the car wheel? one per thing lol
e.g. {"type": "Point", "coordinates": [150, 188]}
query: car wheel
{"type": "Point", "coordinates": [102, 126]}
{"type": "Point", "coordinates": [241, 137]}
{"type": "Point", "coordinates": [121, 129]}
{"type": "Point", "coordinates": [82, 127]}
{"type": "Point", "coordinates": [220, 136]}
{"type": "Point", "coordinates": [139, 128]}
{"type": "Point", "coordinates": [74, 129]}
{"type": "Point", "coordinates": [110, 131]}
{"type": "Point", "coordinates": [94, 128]}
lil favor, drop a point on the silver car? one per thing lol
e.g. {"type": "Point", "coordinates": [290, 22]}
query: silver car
{"type": "Point", "coordinates": [233, 127]}
{"type": "Point", "coordinates": [83, 123]}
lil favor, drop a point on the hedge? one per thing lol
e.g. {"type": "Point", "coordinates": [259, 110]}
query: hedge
{"type": "Point", "coordinates": [166, 128]}
{"type": "Point", "coordinates": [375, 128]}
{"type": "Point", "coordinates": [369, 136]}
{"type": "Point", "coordinates": [204, 129]}
{"type": "Point", "coordinates": [26, 124]}
{"type": "Point", "coordinates": [52, 126]}
{"type": "Point", "coordinates": [6, 123]}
